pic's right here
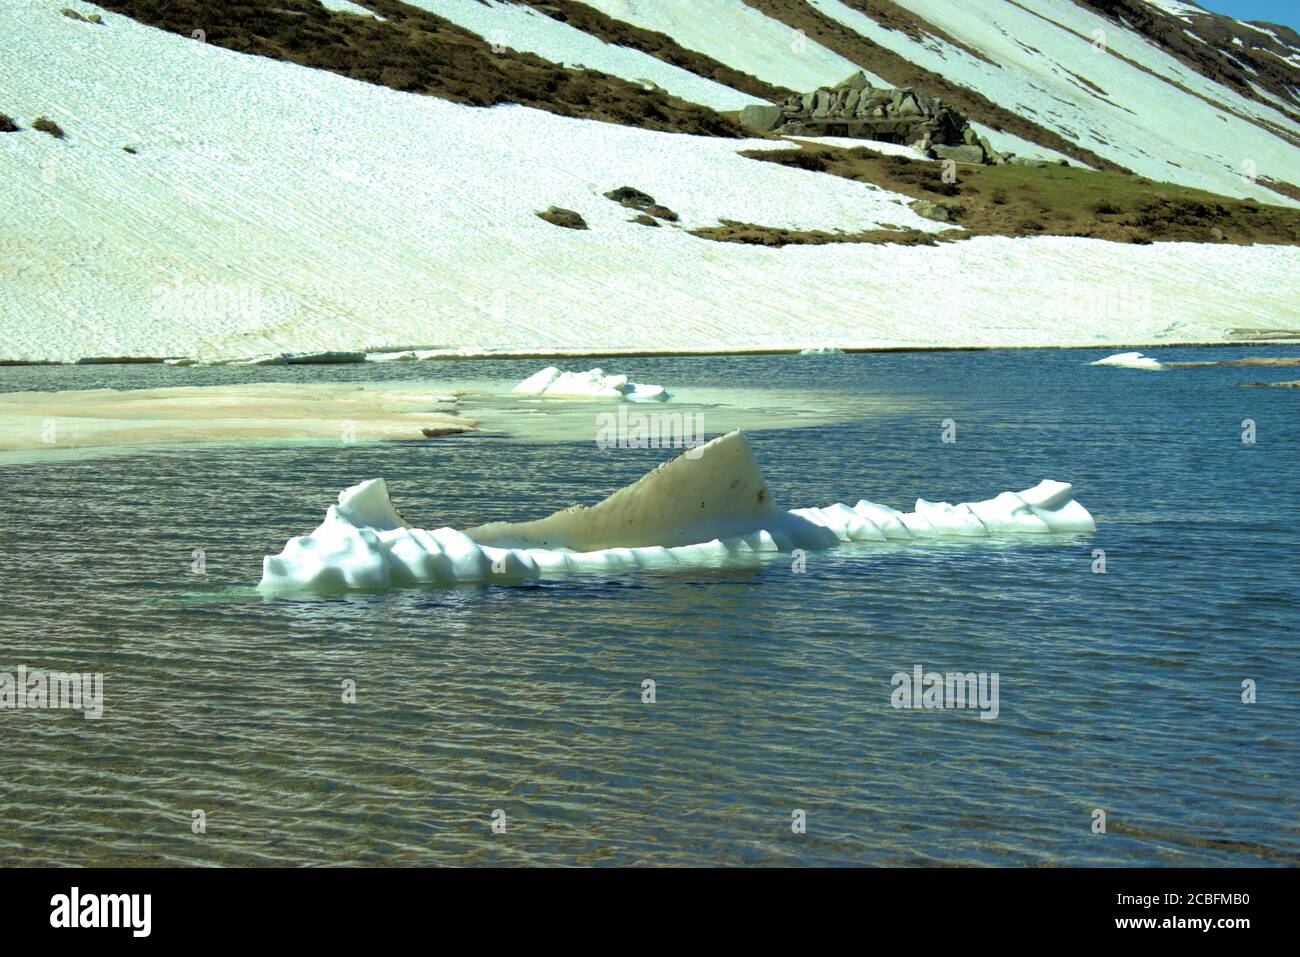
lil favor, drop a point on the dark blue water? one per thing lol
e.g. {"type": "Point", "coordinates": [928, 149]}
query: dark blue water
{"type": "Point", "coordinates": [1119, 692]}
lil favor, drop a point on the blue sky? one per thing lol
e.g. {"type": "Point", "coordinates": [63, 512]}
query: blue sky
{"type": "Point", "coordinates": [1272, 11]}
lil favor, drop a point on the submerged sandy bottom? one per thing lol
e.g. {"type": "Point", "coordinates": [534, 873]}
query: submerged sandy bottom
{"type": "Point", "coordinates": [36, 425]}
{"type": "Point", "coordinates": [98, 418]}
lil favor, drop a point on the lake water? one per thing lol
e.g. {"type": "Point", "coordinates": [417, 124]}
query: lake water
{"type": "Point", "coordinates": [1119, 692]}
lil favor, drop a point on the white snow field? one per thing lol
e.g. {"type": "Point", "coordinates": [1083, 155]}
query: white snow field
{"type": "Point", "coordinates": [740, 36]}
{"type": "Point", "coordinates": [652, 524]}
{"type": "Point", "coordinates": [272, 209]}
{"type": "Point", "coordinates": [523, 28]}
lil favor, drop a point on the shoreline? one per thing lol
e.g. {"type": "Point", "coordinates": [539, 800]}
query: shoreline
{"type": "Point", "coordinates": [1286, 338]}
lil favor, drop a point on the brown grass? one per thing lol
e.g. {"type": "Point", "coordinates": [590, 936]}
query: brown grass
{"type": "Point", "coordinates": [749, 234]}
{"type": "Point", "coordinates": [1048, 201]}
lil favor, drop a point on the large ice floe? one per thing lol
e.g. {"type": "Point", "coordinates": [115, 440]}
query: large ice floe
{"type": "Point", "coordinates": [689, 512]}
{"type": "Point", "coordinates": [551, 383]}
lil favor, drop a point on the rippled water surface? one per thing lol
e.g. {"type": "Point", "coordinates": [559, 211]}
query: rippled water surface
{"type": "Point", "coordinates": [1118, 691]}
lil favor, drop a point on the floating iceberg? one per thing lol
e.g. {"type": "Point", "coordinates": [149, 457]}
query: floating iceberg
{"type": "Point", "coordinates": [821, 351]}
{"type": "Point", "coordinates": [1129, 360]}
{"type": "Point", "coordinates": [551, 383]}
{"type": "Point", "coordinates": [689, 512]}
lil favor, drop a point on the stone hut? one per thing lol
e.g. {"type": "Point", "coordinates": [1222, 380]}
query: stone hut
{"type": "Point", "coordinates": [856, 109]}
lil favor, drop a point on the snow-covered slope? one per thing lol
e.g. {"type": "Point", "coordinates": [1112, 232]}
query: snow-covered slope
{"type": "Point", "coordinates": [523, 28]}
{"type": "Point", "coordinates": [1050, 67]}
{"type": "Point", "coordinates": [739, 36]}
{"type": "Point", "coordinates": [272, 208]}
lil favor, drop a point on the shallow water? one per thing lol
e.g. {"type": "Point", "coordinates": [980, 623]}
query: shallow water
{"type": "Point", "coordinates": [1119, 691]}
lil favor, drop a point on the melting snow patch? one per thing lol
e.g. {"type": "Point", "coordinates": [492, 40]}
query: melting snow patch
{"type": "Point", "coordinates": [346, 6]}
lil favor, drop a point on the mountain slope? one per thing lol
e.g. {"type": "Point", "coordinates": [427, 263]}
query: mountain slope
{"type": "Point", "coordinates": [1057, 67]}
{"type": "Point", "coordinates": [267, 207]}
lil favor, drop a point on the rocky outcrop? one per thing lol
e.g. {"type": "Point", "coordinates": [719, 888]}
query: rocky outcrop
{"type": "Point", "coordinates": [567, 218]}
{"type": "Point", "coordinates": [855, 108]}
{"type": "Point", "coordinates": [642, 202]}
{"type": "Point", "coordinates": [938, 211]}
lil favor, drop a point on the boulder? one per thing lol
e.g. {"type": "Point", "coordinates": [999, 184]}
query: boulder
{"type": "Point", "coordinates": [630, 197]}
{"type": "Point", "coordinates": [960, 154]}
{"type": "Point", "coordinates": [763, 117]}
{"type": "Point", "coordinates": [940, 212]}
{"type": "Point", "coordinates": [858, 81]}
{"type": "Point", "coordinates": [662, 212]}
{"type": "Point", "coordinates": [566, 218]}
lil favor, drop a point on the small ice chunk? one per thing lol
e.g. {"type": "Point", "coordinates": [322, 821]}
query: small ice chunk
{"type": "Point", "coordinates": [646, 393]}
{"type": "Point", "coordinates": [1129, 360]}
{"type": "Point", "coordinates": [538, 382]}
{"type": "Point", "coordinates": [551, 383]}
